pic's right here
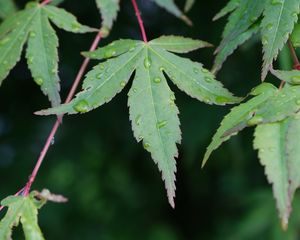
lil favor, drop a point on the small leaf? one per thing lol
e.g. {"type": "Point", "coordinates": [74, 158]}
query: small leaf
{"type": "Point", "coordinates": [238, 117]}
{"type": "Point", "coordinates": [65, 20]}
{"type": "Point", "coordinates": [279, 19]}
{"type": "Point", "coordinates": [292, 77]}
{"type": "Point", "coordinates": [230, 6]}
{"type": "Point", "coordinates": [152, 109]}
{"type": "Point", "coordinates": [279, 153]}
{"type": "Point", "coordinates": [7, 8]}
{"type": "Point", "coordinates": [20, 209]}
{"type": "Point", "coordinates": [171, 7]}
{"type": "Point", "coordinates": [179, 44]}
{"type": "Point", "coordinates": [109, 11]}
{"type": "Point", "coordinates": [188, 5]}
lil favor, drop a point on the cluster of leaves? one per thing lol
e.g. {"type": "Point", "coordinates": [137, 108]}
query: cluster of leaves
{"type": "Point", "coordinates": [152, 109]}
{"type": "Point", "coordinates": [274, 112]}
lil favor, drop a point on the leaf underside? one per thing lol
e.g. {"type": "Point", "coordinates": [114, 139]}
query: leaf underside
{"type": "Point", "coordinates": [153, 113]}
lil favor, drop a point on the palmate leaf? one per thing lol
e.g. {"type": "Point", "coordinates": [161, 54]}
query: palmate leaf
{"type": "Point", "coordinates": [279, 19]}
{"type": "Point", "coordinates": [240, 27]}
{"type": "Point", "coordinates": [153, 112]}
{"type": "Point", "coordinates": [32, 25]}
{"type": "Point", "coordinates": [24, 210]}
{"type": "Point", "coordinates": [267, 106]}
{"type": "Point", "coordinates": [277, 145]}
{"type": "Point", "coordinates": [171, 7]}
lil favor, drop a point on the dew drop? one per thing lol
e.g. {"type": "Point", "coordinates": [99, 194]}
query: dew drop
{"type": "Point", "coordinates": [98, 76]}
{"type": "Point", "coordinates": [39, 81]}
{"type": "Point", "coordinates": [294, 14]}
{"type": "Point", "coordinates": [157, 80]}
{"type": "Point", "coordinates": [146, 145]}
{"type": "Point", "coordinates": [269, 26]}
{"type": "Point", "coordinates": [101, 66]}
{"type": "Point", "coordinates": [222, 100]}
{"type": "Point", "coordinates": [30, 59]}
{"type": "Point", "coordinates": [196, 70]}
{"type": "Point", "coordinates": [82, 106]}
{"type": "Point", "coordinates": [208, 79]}
{"type": "Point", "coordinates": [172, 97]}
{"type": "Point", "coordinates": [204, 70]}
{"type": "Point", "coordinates": [138, 120]}
{"type": "Point", "coordinates": [161, 69]}
{"type": "Point", "coordinates": [75, 26]}
{"type": "Point", "coordinates": [298, 102]}
{"type": "Point", "coordinates": [255, 120]}
{"type": "Point", "coordinates": [264, 41]}
{"type": "Point", "coordinates": [295, 79]}
{"type": "Point", "coordinates": [32, 34]}
{"type": "Point", "coordinates": [123, 84]}
{"type": "Point", "coordinates": [110, 53]}
{"type": "Point", "coordinates": [4, 40]}
{"type": "Point", "coordinates": [134, 90]}
{"type": "Point", "coordinates": [52, 141]}
{"type": "Point", "coordinates": [147, 63]}
{"type": "Point", "coordinates": [161, 124]}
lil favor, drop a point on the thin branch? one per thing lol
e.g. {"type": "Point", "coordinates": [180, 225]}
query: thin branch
{"type": "Point", "coordinates": [58, 121]}
{"type": "Point", "coordinates": [296, 63]}
{"type": "Point", "coordinates": [140, 21]}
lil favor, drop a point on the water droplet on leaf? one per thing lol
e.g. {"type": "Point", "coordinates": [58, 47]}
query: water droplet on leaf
{"type": "Point", "coordinates": [82, 106]}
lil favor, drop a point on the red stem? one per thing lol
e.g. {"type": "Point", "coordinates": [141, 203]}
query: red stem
{"type": "Point", "coordinates": [45, 2]}
{"type": "Point", "coordinates": [58, 121]}
{"type": "Point", "coordinates": [295, 60]}
{"type": "Point", "coordinates": [140, 21]}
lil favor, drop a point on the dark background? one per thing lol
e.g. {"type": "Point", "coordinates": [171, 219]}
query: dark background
{"type": "Point", "coordinates": [115, 190]}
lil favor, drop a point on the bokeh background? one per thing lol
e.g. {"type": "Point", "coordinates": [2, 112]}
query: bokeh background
{"type": "Point", "coordinates": [115, 190]}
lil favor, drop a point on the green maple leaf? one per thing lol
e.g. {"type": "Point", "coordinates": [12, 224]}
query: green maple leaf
{"type": "Point", "coordinates": [24, 210]}
{"type": "Point", "coordinates": [267, 106]}
{"type": "Point", "coordinates": [33, 25]}
{"type": "Point", "coordinates": [7, 8]}
{"type": "Point", "coordinates": [277, 145]}
{"type": "Point", "coordinates": [279, 19]}
{"type": "Point", "coordinates": [153, 113]}
{"type": "Point", "coordinates": [171, 7]}
{"type": "Point", "coordinates": [240, 27]}
{"type": "Point", "coordinates": [109, 11]}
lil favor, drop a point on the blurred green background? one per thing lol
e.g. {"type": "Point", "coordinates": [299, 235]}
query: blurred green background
{"type": "Point", "coordinates": [115, 190]}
